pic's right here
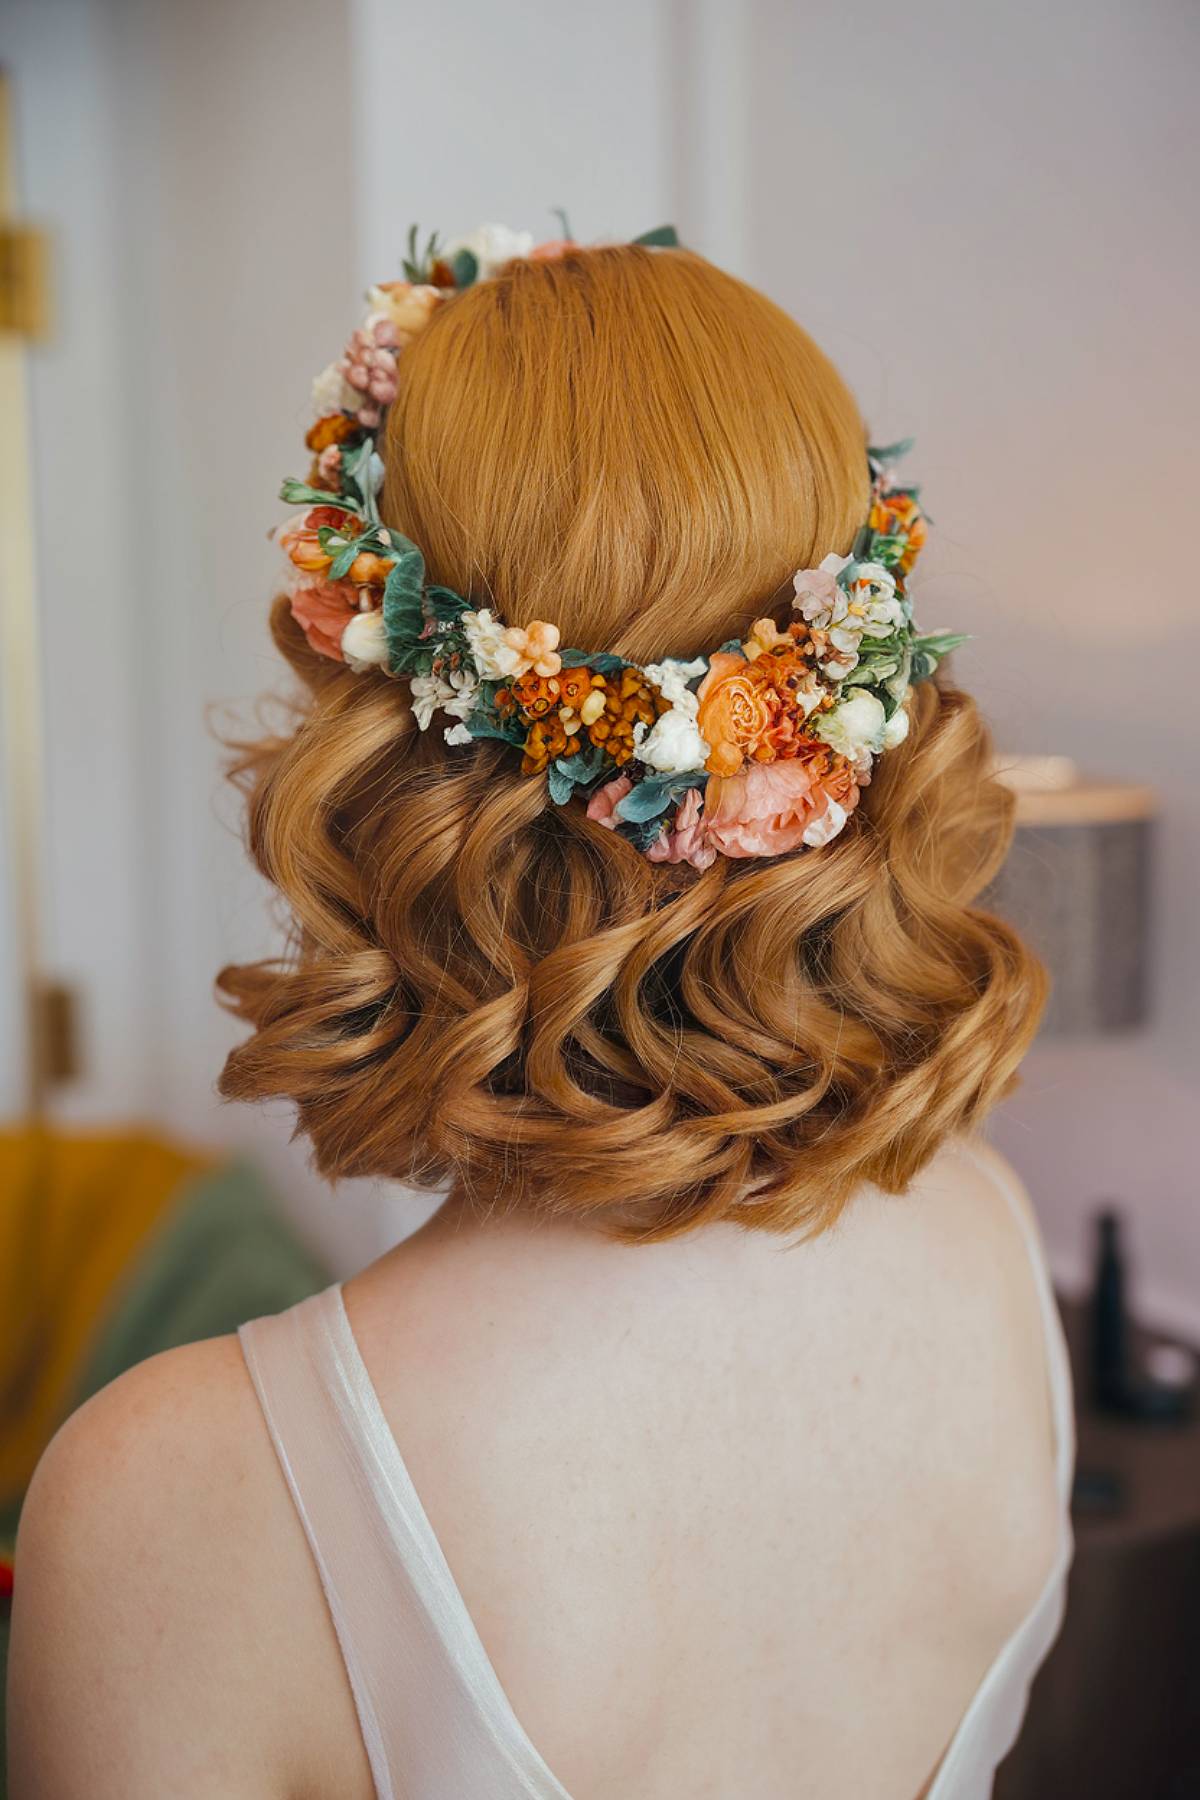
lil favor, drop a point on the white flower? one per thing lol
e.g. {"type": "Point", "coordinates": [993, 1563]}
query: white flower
{"type": "Point", "coordinates": [671, 678]}
{"type": "Point", "coordinates": [495, 659]}
{"type": "Point", "coordinates": [492, 246]}
{"type": "Point", "coordinates": [854, 728]}
{"type": "Point", "coordinates": [896, 729]}
{"type": "Point", "coordinates": [824, 829]}
{"type": "Point", "coordinates": [457, 734]}
{"type": "Point", "coordinates": [673, 745]}
{"type": "Point", "coordinates": [817, 590]}
{"type": "Point", "coordinates": [437, 693]}
{"type": "Point", "coordinates": [873, 600]}
{"type": "Point", "coordinates": [364, 641]}
{"type": "Point", "coordinates": [331, 393]}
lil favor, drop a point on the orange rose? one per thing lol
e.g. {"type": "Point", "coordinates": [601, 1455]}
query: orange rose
{"type": "Point", "coordinates": [301, 543]}
{"type": "Point", "coordinates": [324, 609]}
{"type": "Point", "coordinates": [368, 570]}
{"type": "Point", "coordinates": [737, 708]}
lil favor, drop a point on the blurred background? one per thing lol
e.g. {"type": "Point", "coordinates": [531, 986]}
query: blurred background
{"type": "Point", "coordinates": [985, 214]}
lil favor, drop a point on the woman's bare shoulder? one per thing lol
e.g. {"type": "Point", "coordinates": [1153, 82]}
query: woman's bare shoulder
{"type": "Point", "coordinates": [147, 1635]}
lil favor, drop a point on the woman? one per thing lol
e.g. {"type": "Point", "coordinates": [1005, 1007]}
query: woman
{"type": "Point", "coordinates": [631, 841]}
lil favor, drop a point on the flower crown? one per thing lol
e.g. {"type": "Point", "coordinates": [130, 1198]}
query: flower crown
{"type": "Point", "coordinates": [753, 750]}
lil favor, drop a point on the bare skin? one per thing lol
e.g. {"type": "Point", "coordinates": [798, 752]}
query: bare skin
{"type": "Point", "coordinates": [730, 1518]}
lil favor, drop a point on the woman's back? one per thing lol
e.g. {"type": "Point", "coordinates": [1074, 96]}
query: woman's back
{"type": "Point", "coordinates": [727, 1518]}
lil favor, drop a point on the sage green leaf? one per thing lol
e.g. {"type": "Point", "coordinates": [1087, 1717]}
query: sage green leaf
{"type": "Point", "coordinates": [298, 493]}
{"type": "Point", "coordinates": [890, 453]}
{"type": "Point", "coordinates": [663, 237]}
{"type": "Point", "coordinates": [642, 834]}
{"type": "Point", "coordinates": [603, 661]}
{"type": "Point", "coordinates": [560, 213]}
{"type": "Point", "coordinates": [444, 604]}
{"type": "Point", "coordinates": [465, 268]}
{"type": "Point", "coordinates": [560, 784]}
{"type": "Point", "coordinates": [403, 618]}
{"type": "Point", "coordinates": [649, 799]}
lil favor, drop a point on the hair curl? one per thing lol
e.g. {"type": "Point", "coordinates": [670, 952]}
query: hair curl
{"type": "Point", "coordinates": [487, 988]}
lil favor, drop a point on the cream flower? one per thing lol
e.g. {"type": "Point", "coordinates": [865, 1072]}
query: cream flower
{"type": "Point", "coordinates": [673, 745]}
{"type": "Point", "coordinates": [817, 590]}
{"type": "Point", "coordinates": [896, 729]}
{"type": "Point", "coordinates": [407, 307]}
{"type": "Point", "coordinates": [873, 600]}
{"type": "Point", "coordinates": [824, 829]}
{"type": "Point", "coordinates": [331, 393]}
{"type": "Point", "coordinates": [854, 728]}
{"type": "Point", "coordinates": [364, 641]}
{"type": "Point", "coordinates": [454, 694]}
{"type": "Point", "coordinates": [492, 246]}
{"type": "Point", "coordinates": [671, 678]}
{"type": "Point", "coordinates": [493, 657]}
{"type": "Point", "coordinates": [535, 646]}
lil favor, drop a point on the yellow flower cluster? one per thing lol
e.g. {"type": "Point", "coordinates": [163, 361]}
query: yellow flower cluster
{"type": "Point", "coordinates": [577, 705]}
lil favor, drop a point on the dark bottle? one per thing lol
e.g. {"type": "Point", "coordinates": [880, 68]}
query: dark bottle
{"type": "Point", "coordinates": [1109, 1332]}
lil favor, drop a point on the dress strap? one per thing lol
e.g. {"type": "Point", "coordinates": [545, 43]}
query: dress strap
{"type": "Point", "coordinates": [990, 1726]}
{"type": "Point", "coordinates": [435, 1721]}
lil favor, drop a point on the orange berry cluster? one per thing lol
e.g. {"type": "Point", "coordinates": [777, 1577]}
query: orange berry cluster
{"type": "Point", "coordinates": [579, 705]}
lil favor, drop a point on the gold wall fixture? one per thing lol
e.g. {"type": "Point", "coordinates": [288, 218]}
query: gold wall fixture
{"type": "Point", "coordinates": [47, 1008]}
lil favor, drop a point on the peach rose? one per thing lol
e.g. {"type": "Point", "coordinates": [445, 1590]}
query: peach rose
{"type": "Point", "coordinates": [602, 807]}
{"type": "Point", "coordinates": [769, 809]}
{"type": "Point", "coordinates": [737, 708]}
{"type": "Point", "coordinates": [324, 609]}
{"type": "Point", "coordinates": [553, 250]}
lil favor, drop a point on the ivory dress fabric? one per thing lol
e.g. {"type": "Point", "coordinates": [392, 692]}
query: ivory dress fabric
{"type": "Point", "coordinates": [436, 1723]}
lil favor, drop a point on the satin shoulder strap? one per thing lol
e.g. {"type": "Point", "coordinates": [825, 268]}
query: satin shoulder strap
{"type": "Point", "coordinates": [436, 1723]}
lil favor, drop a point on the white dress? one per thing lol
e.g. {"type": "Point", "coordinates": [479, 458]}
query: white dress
{"type": "Point", "coordinates": [435, 1720]}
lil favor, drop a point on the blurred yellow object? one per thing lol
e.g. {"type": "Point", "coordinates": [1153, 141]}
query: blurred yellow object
{"type": "Point", "coordinates": [77, 1212]}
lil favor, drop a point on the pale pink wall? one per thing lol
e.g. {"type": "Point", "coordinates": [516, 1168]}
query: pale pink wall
{"type": "Point", "coordinates": [988, 215]}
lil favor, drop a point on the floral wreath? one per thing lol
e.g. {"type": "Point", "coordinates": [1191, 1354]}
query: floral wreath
{"type": "Point", "coordinates": [756, 749]}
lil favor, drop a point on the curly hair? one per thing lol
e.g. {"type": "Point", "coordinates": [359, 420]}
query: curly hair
{"type": "Point", "coordinates": [486, 988]}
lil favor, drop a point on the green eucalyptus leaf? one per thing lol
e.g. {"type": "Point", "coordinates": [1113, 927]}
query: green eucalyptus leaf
{"type": "Point", "coordinates": [650, 798]}
{"type": "Point", "coordinates": [663, 237]}
{"type": "Point", "coordinates": [465, 268]}
{"type": "Point", "coordinates": [482, 724]}
{"type": "Point", "coordinates": [445, 605]}
{"type": "Point", "coordinates": [298, 493]}
{"type": "Point", "coordinates": [403, 618]}
{"type": "Point", "coordinates": [890, 453]}
{"type": "Point", "coordinates": [642, 834]}
{"type": "Point", "coordinates": [602, 661]}
{"type": "Point", "coordinates": [560, 783]}
{"type": "Point", "coordinates": [941, 643]}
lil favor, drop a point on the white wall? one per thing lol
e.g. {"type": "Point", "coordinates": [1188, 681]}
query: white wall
{"type": "Point", "coordinates": [477, 111]}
